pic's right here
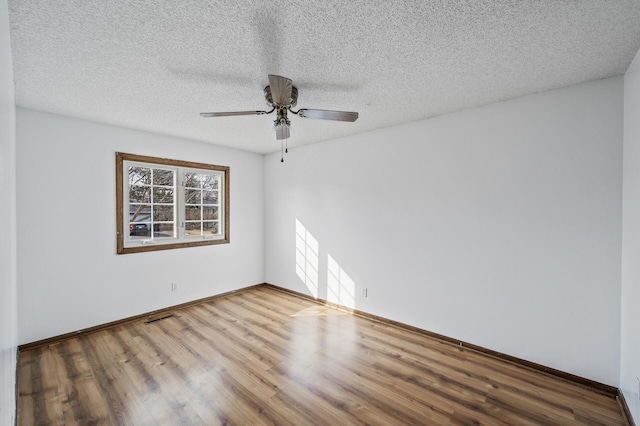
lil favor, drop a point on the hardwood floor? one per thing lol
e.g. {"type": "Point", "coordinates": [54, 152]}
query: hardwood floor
{"type": "Point", "coordinates": [263, 356]}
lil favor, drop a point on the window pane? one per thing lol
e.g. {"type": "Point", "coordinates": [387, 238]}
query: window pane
{"type": "Point", "coordinates": [163, 177]}
{"type": "Point", "coordinates": [164, 230]}
{"type": "Point", "coordinates": [210, 228]}
{"type": "Point", "coordinates": [192, 180]}
{"type": "Point", "coordinates": [192, 213]}
{"type": "Point", "coordinates": [162, 195]}
{"type": "Point", "coordinates": [163, 213]}
{"type": "Point", "coordinates": [210, 181]}
{"type": "Point", "coordinates": [139, 213]}
{"type": "Point", "coordinates": [139, 175]}
{"type": "Point", "coordinates": [139, 194]}
{"type": "Point", "coordinates": [193, 228]}
{"type": "Point", "coordinates": [209, 213]}
{"type": "Point", "coordinates": [192, 196]}
{"type": "Point", "coordinates": [209, 197]}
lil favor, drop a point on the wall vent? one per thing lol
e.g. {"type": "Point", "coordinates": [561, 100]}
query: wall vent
{"type": "Point", "coordinates": [159, 319]}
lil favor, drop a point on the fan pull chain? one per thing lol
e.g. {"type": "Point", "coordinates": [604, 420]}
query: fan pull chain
{"type": "Point", "coordinates": [284, 148]}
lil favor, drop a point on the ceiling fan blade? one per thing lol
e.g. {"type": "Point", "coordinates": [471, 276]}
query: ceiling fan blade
{"type": "Point", "coordinates": [324, 114]}
{"type": "Point", "coordinates": [280, 89]}
{"type": "Point", "coordinates": [282, 131]}
{"type": "Point", "coordinates": [231, 113]}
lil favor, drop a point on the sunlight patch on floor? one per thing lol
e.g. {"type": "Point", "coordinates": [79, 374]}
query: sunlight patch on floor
{"type": "Point", "coordinates": [318, 311]}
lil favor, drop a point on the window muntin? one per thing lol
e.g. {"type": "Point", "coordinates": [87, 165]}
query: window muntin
{"type": "Point", "coordinates": [164, 203]}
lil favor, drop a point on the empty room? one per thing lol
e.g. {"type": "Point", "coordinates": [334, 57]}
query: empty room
{"type": "Point", "coordinates": [303, 213]}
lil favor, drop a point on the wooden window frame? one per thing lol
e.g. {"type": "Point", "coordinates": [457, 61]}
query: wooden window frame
{"type": "Point", "coordinates": [121, 192]}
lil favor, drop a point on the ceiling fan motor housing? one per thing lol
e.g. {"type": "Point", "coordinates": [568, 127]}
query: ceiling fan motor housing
{"type": "Point", "coordinates": [292, 101]}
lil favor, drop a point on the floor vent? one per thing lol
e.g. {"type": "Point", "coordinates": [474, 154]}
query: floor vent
{"type": "Point", "coordinates": [159, 319]}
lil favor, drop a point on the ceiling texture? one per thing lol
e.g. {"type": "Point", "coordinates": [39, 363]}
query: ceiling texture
{"type": "Point", "coordinates": [155, 65]}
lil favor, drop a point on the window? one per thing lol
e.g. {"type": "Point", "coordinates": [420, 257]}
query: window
{"type": "Point", "coordinates": [166, 204]}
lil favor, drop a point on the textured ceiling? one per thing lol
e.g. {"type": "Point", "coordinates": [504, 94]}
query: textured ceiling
{"type": "Point", "coordinates": [154, 65]}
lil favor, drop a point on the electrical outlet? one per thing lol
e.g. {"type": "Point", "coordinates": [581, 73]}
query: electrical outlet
{"type": "Point", "coordinates": [174, 286]}
{"type": "Point", "coordinates": [364, 292]}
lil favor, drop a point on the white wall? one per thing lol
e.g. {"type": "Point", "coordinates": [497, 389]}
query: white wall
{"type": "Point", "coordinates": [499, 225]}
{"type": "Point", "coordinates": [8, 301]}
{"type": "Point", "coordinates": [630, 349]}
{"type": "Point", "coordinates": [68, 272]}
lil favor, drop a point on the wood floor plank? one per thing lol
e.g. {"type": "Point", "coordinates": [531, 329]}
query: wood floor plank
{"type": "Point", "coordinates": [81, 399]}
{"type": "Point", "coordinates": [31, 391]}
{"type": "Point", "coordinates": [239, 378]}
{"type": "Point", "coordinates": [128, 394]}
{"type": "Point", "coordinates": [264, 356]}
{"type": "Point", "coordinates": [346, 376]}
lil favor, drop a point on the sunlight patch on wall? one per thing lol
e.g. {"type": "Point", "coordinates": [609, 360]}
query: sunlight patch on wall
{"type": "Point", "coordinates": [307, 258]}
{"type": "Point", "coordinates": [340, 287]}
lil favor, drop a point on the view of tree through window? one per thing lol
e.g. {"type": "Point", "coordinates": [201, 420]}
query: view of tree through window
{"type": "Point", "coordinates": [165, 203]}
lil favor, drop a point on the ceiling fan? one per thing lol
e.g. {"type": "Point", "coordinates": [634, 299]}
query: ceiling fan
{"type": "Point", "coordinates": [282, 95]}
